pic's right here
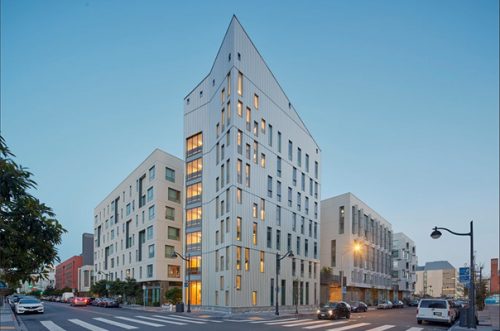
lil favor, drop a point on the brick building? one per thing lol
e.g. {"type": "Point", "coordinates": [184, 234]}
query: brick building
{"type": "Point", "coordinates": [494, 280]}
{"type": "Point", "coordinates": [67, 272]}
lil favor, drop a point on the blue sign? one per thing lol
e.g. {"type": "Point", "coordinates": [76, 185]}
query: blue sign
{"type": "Point", "coordinates": [344, 290]}
{"type": "Point", "coordinates": [464, 275]}
{"type": "Point", "coordinates": [186, 284]}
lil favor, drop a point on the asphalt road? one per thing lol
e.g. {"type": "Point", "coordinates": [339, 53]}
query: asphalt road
{"type": "Point", "coordinates": [59, 317]}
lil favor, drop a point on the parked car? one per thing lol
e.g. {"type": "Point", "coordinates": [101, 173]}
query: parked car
{"type": "Point", "coordinates": [334, 310]}
{"type": "Point", "coordinates": [436, 310]}
{"type": "Point", "coordinates": [108, 303]}
{"type": "Point", "coordinates": [96, 302]}
{"type": "Point", "coordinates": [358, 306]}
{"type": "Point", "coordinates": [78, 301]}
{"type": "Point", "coordinates": [384, 304]}
{"type": "Point", "coordinates": [29, 305]}
{"type": "Point", "coordinates": [413, 303]}
{"type": "Point", "coordinates": [66, 296]}
{"type": "Point", "coordinates": [348, 305]}
{"type": "Point", "coordinates": [398, 304]}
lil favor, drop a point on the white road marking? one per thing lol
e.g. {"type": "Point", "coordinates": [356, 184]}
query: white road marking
{"type": "Point", "coordinates": [192, 318]}
{"type": "Point", "coordinates": [51, 326]}
{"type": "Point", "coordinates": [162, 320]}
{"type": "Point", "coordinates": [270, 321]}
{"type": "Point", "coordinates": [172, 318]}
{"type": "Point", "coordinates": [115, 323]}
{"type": "Point", "coordinates": [86, 325]}
{"type": "Point", "coordinates": [325, 325]}
{"type": "Point", "coordinates": [347, 327]}
{"type": "Point", "coordinates": [382, 328]}
{"type": "Point", "coordinates": [414, 329]}
{"type": "Point", "coordinates": [304, 323]}
{"type": "Point", "coordinates": [140, 322]}
{"type": "Point", "coordinates": [286, 322]}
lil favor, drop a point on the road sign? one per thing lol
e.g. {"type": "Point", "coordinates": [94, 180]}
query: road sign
{"type": "Point", "coordinates": [464, 275]}
{"type": "Point", "coordinates": [186, 284]}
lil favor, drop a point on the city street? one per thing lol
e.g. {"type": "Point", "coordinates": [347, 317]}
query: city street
{"type": "Point", "coordinates": [60, 317]}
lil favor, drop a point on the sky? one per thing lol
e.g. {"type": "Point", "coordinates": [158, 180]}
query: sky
{"type": "Point", "coordinates": [401, 96]}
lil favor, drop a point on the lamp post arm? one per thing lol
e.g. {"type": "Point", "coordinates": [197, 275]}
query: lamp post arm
{"type": "Point", "coordinates": [453, 232]}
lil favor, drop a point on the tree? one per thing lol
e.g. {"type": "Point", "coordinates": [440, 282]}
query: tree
{"type": "Point", "coordinates": [174, 295]}
{"type": "Point", "coordinates": [132, 290]}
{"type": "Point", "coordinates": [29, 231]}
{"type": "Point", "coordinates": [100, 288]}
{"type": "Point", "coordinates": [116, 287]}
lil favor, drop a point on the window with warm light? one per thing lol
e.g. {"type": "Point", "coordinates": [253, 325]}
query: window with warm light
{"type": "Point", "coordinates": [194, 169]}
{"type": "Point", "coordinates": [263, 126]}
{"type": "Point", "coordinates": [238, 282]}
{"type": "Point", "coordinates": [240, 108]}
{"type": "Point", "coordinates": [247, 259]}
{"type": "Point", "coordinates": [248, 119]}
{"type": "Point", "coordinates": [238, 228]}
{"type": "Point", "coordinates": [262, 209]}
{"type": "Point", "coordinates": [193, 193]}
{"type": "Point", "coordinates": [262, 256]}
{"type": "Point", "coordinates": [256, 101]}
{"type": "Point", "coordinates": [254, 298]}
{"type": "Point", "coordinates": [254, 233]}
{"type": "Point", "coordinates": [254, 210]}
{"type": "Point", "coordinates": [240, 83]}
{"type": "Point", "coordinates": [238, 258]}
{"type": "Point", "coordinates": [262, 160]}
{"type": "Point", "coordinates": [193, 217]}
{"type": "Point", "coordinates": [194, 144]}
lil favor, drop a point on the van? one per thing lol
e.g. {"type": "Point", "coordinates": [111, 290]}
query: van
{"type": "Point", "coordinates": [66, 295]}
{"type": "Point", "coordinates": [436, 310]}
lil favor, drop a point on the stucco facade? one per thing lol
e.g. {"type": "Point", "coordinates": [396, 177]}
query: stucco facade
{"type": "Point", "coordinates": [404, 266]}
{"type": "Point", "coordinates": [436, 279]}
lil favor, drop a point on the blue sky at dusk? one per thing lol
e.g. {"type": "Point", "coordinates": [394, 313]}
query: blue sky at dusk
{"type": "Point", "coordinates": [401, 96]}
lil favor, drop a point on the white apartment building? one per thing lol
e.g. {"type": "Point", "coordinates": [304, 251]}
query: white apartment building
{"type": "Point", "coordinates": [252, 187]}
{"type": "Point", "coordinates": [356, 243]}
{"type": "Point", "coordinates": [404, 266]}
{"type": "Point", "coordinates": [437, 279]}
{"type": "Point", "coordinates": [138, 226]}
{"type": "Point", "coordinates": [85, 278]}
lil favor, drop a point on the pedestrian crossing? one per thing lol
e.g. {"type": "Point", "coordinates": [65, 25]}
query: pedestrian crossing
{"type": "Point", "coordinates": [327, 325]}
{"type": "Point", "coordinates": [127, 323]}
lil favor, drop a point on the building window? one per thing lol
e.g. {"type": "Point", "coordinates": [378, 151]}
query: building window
{"type": "Point", "coordinates": [238, 228]}
{"type": "Point", "coordinates": [254, 298]}
{"type": "Point", "coordinates": [238, 195]}
{"type": "Point", "coordinates": [298, 246]}
{"type": "Point", "coordinates": [278, 190]}
{"type": "Point", "coordinates": [254, 210]}
{"type": "Point", "coordinates": [152, 173]}
{"type": "Point", "coordinates": [247, 175]}
{"type": "Point", "coordinates": [299, 157]}
{"type": "Point", "coordinates": [228, 84]}
{"type": "Point", "coordinates": [279, 142]}
{"type": "Point", "coordinates": [262, 160]}
{"type": "Point", "coordinates": [170, 174]}
{"type": "Point", "coordinates": [247, 259]}
{"type": "Point", "coordinates": [269, 238]}
{"type": "Point", "coordinates": [316, 169]}
{"type": "Point", "coordinates": [294, 176]}
{"type": "Point", "coordinates": [150, 194]}
{"type": "Point", "coordinates": [150, 270]}
{"type": "Point", "coordinates": [193, 241]}
{"type": "Point", "coordinates": [269, 186]}
{"type": "Point", "coordinates": [247, 151]}
{"type": "Point", "coordinates": [238, 171]}
{"type": "Point", "coordinates": [151, 212]}
{"type": "Point", "coordinates": [333, 253]}
{"type": "Point", "coordinates": [255, 151]}
{"type": "Point", "coordinates": [238, 282]}
{"type": "Point", "coordinates": [262, 257]}
{"type": "Point", "coordinates": [256, 128]}
{"type": "Point", "coordinates": [174, 195]}
{"type": "Point", "coordinates": [256, 101]}
{"type": "Point", "coordinates": [194, 169]}
{"type": "Point", "coordinates": [151, 251]}
{"type": "Point", "coordinates": [169, 251]}
{"type": "Point", "coordinates": [239, 141]}
{"type": "Point", "coordinates": [278, 215]}
{"type": "Point", "coordinates": [248, 119]}
{"type": "Point", "coordinates": [222, 95]}
{"type": "Point", "coordinates": [254, 233]}
{"type": "Point", "coordinates": [341, 219]}
{"type": "Point", "coordinates": [270, 135]}
{"type": "Point", "coordinates": [307, 162]}
{"type": "Point", "coordinates": [240, 83]}
{"type": "Point", "coordinates": [240, 108]}
{"type": "Point", "coordinates": [193, 193]}
{"type": "Point", "coordinates": [149, 233]}
{"type": "Point", "coordinates": [193, 217]}
{"type": "Point", "coordinates": [174, 233]}
{"type": "Point", "coordinates": [174, 271]}
{"type": "Point", "coordinates": [263, 126]}
{"type": "Point", "coordinates": [290, 150]}
{"type": "Point", "coordinates": [262, 209]}
{"type": "Point", "coordinates": [289, 196]}
{"type": "Point", "coordinates": [194, 144]}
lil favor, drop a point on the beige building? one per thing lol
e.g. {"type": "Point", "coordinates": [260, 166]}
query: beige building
{"type": "Point", "coordinates": [436, 279]}
{"type": "Point", "coordinates": [356, 243]}
{"type": "Point", "coordinates": [138, 226]}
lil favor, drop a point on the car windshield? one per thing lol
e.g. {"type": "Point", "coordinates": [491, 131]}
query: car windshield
{"type": "Point", "coordinates": [440, 304]}
{"type": "Point", "coordinates": [330, 305]}
{"type": "Point", "coordinates": [29, 301]}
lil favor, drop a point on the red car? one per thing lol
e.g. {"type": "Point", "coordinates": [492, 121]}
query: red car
{"type": "Point", "coordinates": [79, 301]}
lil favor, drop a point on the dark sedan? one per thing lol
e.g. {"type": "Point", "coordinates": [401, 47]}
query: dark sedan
{"type": "Point", "coordinates": [108, 303]}
{"type": "Point", "coordinates": [334, 310]}
{"type": "Point", "coordinates": [358, 306]}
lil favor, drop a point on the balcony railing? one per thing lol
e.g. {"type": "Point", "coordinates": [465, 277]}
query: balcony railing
{"type": "Point", "coordinates": [194, 151]}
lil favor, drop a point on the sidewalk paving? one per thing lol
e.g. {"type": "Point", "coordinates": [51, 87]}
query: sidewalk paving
{"type": "Point", "coordinates": [8, 320]}
{"type": "Point", "coordinates": [489, 320]}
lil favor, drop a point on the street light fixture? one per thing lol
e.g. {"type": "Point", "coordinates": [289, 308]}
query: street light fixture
{"type": "Point", "coordinates": [278, 259]}
{"type": "Point", "coordinates": [188, 260]}
{"type": "Point", "coordinates": [436, 234]}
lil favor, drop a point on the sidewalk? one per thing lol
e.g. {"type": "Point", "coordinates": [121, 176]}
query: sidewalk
{"type": "Point", "coordinates": [489, 320]}
{"type": "Point", "coordinates": [7, 319]}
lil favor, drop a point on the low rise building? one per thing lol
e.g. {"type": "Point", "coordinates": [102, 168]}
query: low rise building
{"type": "Point", "coordinates": [138, 226]}
{"type": "Point", "coordinates": [404, 267]}
{"type": "Point", "coordinates": [436, 279]}
{"type": "Point", "coordinates": [67, 273]}
{"type": "Point", "coordinates": [356, 243]}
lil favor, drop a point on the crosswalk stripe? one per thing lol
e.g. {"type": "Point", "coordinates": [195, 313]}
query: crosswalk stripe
{"type": "Point", "coordinates": [347, 327]}
{"type": "Point", "coordinates": [115, 323]}
{"type": "Point", "coordinates": [286, 322]}
{"type": "Point", "coordinates": [51, 326]}
{"type": "Point", "coordinates": [194, 318]}
{"type": "Point", "coordinates": [324, 325]}
{"type": "Point", "coordinates": [304, 323]}
{"type": "Point", "coordinates": [382, 328]}
{"type": "Point", "coordinates": [167, 318]}
{"type": "Point", "coordinates": [267, 321]}
{"type": "Point", "coordinates": [162, 320]}
{"type": "Point", "coordinates": [86, 325]}
{"type": "Point", "coordinates": [140, 322]}
{"type": "Point", "coordinates": [415, 329]}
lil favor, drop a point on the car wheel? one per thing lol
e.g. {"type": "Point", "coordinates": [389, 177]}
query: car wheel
{"type": "Point", "coordinates": [348, 316]}
{"type": "Point", "coordinates": [419, 322]}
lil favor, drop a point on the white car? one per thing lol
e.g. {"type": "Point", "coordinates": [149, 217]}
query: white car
{"type": "Point", "coordinates": [436, 310]}
{"type": "Point", "coordinates": [384, 305]}
{"type": "Point", "coordinates": [29, 305]}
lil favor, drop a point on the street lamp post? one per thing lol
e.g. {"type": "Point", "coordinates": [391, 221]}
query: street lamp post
{"type": "Point", "coordinates": [356, 249]}
{"type": "Point", "coordinates": [471, 320]}
{"type": "Point", "coordinates": [278, 259]}
{"type": "Point", "coordinates": [188, 260]}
